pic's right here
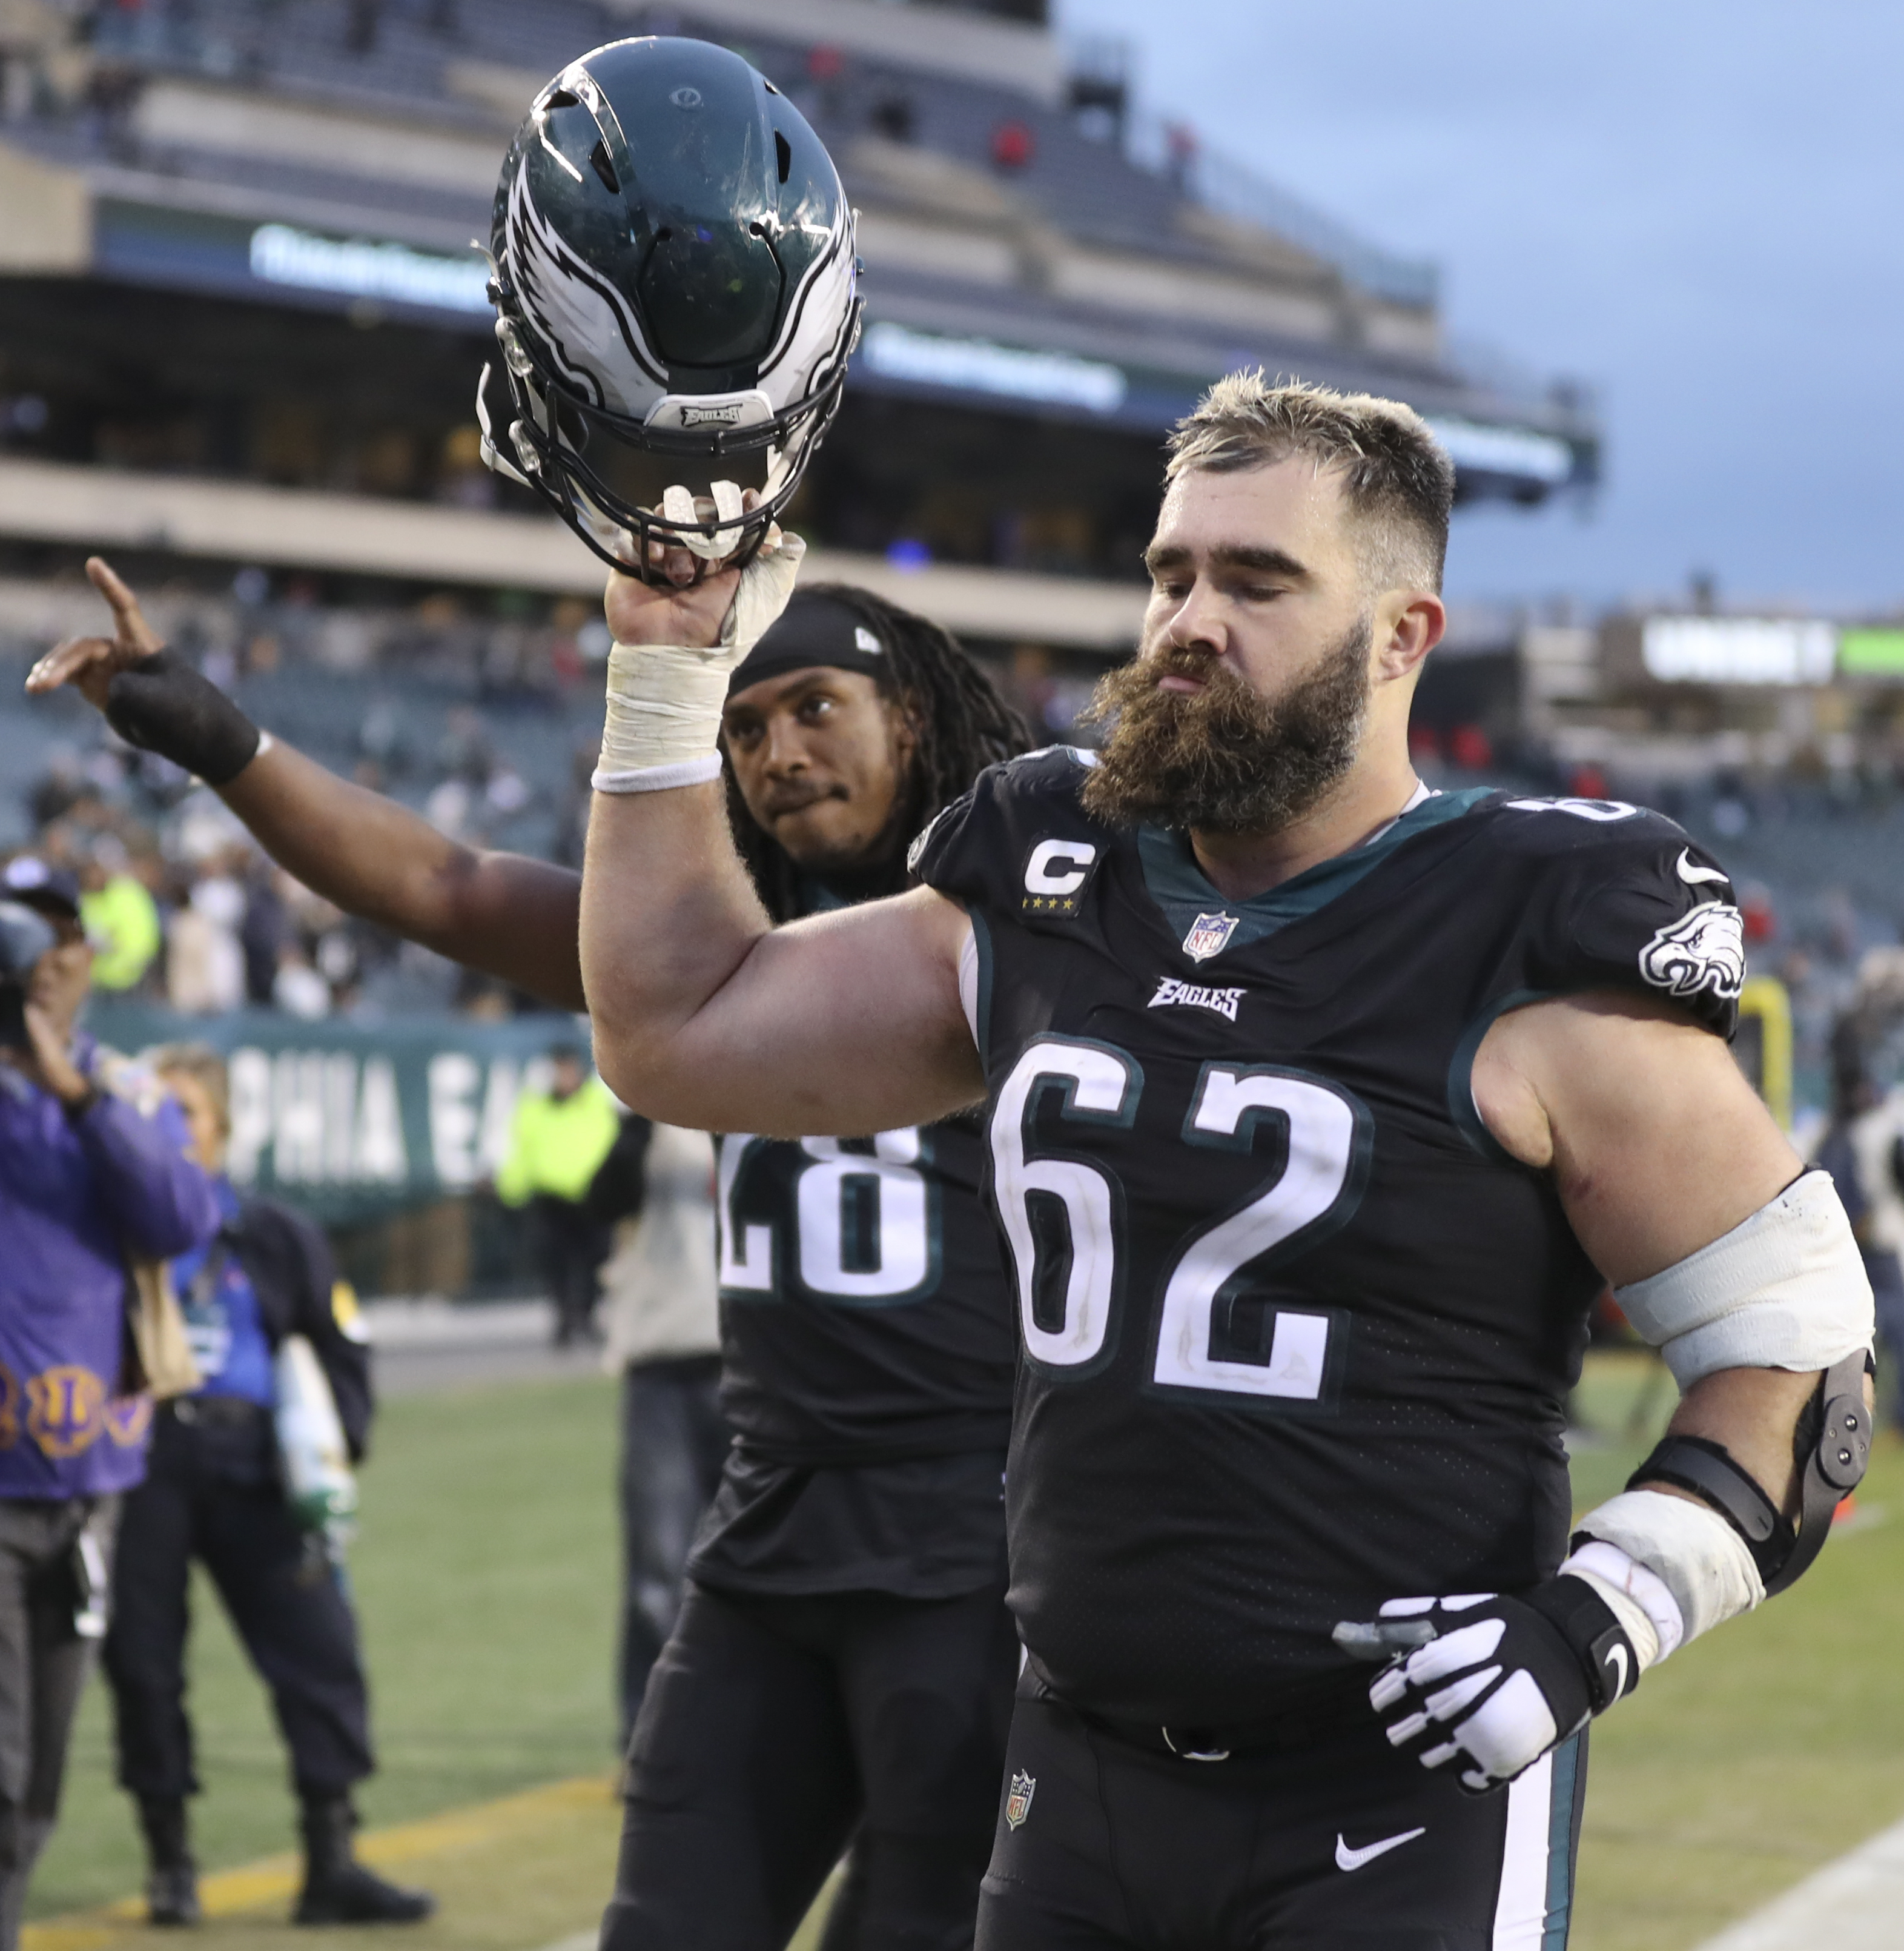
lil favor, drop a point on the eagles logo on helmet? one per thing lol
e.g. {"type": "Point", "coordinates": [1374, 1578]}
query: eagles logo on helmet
{"type": "Point", "coordinates": [675, 282]}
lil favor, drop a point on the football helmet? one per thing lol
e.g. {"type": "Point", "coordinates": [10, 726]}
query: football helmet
{"type": "Point", "coordinates": [676, 294]}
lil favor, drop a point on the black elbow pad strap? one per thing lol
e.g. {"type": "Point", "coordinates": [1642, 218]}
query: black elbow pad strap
{"type": "Point", "coordinates": [1834, 1446]}
{"type": "Point", "coordinates": [162, 704]}
{"type": "Point", "coordinates": [1706, 1470]}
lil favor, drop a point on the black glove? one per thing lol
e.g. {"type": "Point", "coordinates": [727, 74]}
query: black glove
{"type": "Point", "coordinates": [1492, 1682]}
{"type": "Point", "coordinates": [162, 704]}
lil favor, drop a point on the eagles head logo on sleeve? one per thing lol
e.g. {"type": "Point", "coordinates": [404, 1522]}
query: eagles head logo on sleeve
{"type": "Point", "coordinates": [1703, 950]}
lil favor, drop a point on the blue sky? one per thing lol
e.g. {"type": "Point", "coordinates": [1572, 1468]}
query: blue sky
{"type": "Point", "coordinates": [1698, 207]}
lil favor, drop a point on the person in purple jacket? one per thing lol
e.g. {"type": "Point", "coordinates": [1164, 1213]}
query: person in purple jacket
{"type": "Point", "coordinates": [93, 1172]}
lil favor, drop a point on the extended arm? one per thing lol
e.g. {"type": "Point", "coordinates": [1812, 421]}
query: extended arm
{"type": "Point", "coordinates": [503, 913]}
{"type": "Point", "coordinates": [704, 1015]}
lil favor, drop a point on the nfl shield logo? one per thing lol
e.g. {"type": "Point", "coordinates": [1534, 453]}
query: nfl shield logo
{"type": "Point", "coordinates": [1018, 1802]}
{"type": "Point", "coordinates": [1208, 936]}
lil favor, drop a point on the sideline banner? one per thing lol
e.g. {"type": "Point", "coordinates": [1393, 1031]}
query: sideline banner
{"type": "Point", "coordinates": [354, 1122]}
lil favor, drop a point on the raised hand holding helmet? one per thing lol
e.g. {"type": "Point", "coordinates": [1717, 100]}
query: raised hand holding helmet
{"type": "Point", "coordinates": [675, 285]}
{"type": "Point", "coordinates": [661, 724]}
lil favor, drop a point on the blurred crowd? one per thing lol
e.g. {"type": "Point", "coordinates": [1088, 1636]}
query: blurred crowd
{"type": "Point", "coordinates": [184, 910]}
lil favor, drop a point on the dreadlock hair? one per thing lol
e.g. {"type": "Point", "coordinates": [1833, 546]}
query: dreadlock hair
{"type": "Point", "coordinates": [961, 723]}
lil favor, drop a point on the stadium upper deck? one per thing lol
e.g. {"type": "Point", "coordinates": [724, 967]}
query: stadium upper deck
{"type": "Point", "coordinates": [234, 242]}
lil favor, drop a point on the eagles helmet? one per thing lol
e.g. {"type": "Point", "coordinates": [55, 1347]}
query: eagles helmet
{"type": "Point", "coordinates": [675, 293]}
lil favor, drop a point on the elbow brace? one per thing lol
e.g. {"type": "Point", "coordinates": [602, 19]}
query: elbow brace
{"type": "Point", "coordinates": [1831, 1446]}
{"type": "Point", "coordinates": [1671, 1570]}
{"type": "Point", "coordinates": [1785, 1289]}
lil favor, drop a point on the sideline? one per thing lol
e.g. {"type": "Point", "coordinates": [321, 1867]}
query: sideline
{"type": "Point", "coordinates": [275, 1879]}
{"type": "Point", "coordinates": [1854, 1904]}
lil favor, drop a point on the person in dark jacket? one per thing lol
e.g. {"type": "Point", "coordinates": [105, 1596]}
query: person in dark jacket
{"type": "Point", "coordinates": [93, 1175]}
{"type": "Point", "coordinates": [213, 1491]}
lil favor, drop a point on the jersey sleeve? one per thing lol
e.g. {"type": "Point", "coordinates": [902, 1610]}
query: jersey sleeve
{"type": "Point", "coordinates": [1632, 903]}
{"type": "Point", "coordinates": [984, 849]}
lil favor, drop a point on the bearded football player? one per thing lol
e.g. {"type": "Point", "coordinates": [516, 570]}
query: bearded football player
{"type": "Point", "coordinates": [842, 1666]}
{"type": "Point", "coordinates": [1319, 1107]}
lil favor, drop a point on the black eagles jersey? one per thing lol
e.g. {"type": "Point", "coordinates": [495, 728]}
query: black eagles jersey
{"type": "Point", "coordinates": [865, 1315]}
{"type": "Point", "coordinates": [1297, 1334]}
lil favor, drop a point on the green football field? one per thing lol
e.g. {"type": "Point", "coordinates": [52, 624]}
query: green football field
{"type": "Point", "coordinates": [486, 1575]}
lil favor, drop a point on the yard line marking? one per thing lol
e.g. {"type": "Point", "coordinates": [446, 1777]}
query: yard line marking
{"type": "Point", "coordinates": [276, 1879]}
{"type": "Point", "coordinates": [1852, 1904]}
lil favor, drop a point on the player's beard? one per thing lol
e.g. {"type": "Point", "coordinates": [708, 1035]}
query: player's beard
{"type": "Point", "coordinates": [1225, 759]}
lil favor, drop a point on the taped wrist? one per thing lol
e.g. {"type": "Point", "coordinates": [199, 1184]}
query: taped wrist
{"type": "Point", "coordinates": [661, 727]}
{"type": "Point", "coordinates": [1697, 1556]}
{"type": "Point", "coordinates": [1639, 1599]}
{"type": "Point", "coordinates": [162, 704]}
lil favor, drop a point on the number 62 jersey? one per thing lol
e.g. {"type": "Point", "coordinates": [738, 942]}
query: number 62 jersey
{"type": "Point", "coordinates": [1297, 1335]}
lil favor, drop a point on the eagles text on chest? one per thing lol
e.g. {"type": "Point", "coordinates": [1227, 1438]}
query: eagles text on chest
{"type": "Point", "coordinates": [1194, 996]}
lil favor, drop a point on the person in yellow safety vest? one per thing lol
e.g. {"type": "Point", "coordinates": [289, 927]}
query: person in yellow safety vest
{"type": "Point", "coordinates": [121, 918]}
{"type": "Point", "coordinates": [557, 1139]}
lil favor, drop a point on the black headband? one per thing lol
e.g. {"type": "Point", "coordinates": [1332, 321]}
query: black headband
{"type": "Point", "coordinates": [814, 630]}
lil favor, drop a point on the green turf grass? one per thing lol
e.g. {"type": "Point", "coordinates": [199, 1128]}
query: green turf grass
{"type": "Point", "coordinates": [1758, 1753]}
{"type": "Point", "coordinates": [485, 1575]}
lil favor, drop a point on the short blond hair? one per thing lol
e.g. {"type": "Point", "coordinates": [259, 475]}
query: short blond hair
{"type": "Point", "coordinates": [206, 1068]}
{"type": "Point", "coordinates": [1396, 477]}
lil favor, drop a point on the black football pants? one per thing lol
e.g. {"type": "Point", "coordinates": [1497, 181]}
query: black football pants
{"type": "Point", "coordinates": [774, 1731]}
{"type": "Point", "coordinates": [282, 1595]}
{"type": "Point", "coordinates": [44, 1663]}
{"type": "Point", "coordinates": [1342, 1845]}
{"type": "Point", "coordinates": [673, 1445]}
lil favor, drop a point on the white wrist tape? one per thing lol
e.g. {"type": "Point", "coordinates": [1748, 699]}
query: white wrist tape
{"type": "Point", "coordinates": [1690, 1550]}
{"type": "Point", "coordinates": [662, 726]}
{"type": "Point", "coordinates": [1639, 1600]}
{"type": "Point", "coordinates": [1785, 1289]}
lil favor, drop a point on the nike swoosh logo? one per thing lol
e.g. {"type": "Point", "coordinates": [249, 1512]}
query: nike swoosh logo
{"type": "Point", "coordinates": [1693, 876]}
{"type": "Point", "coordinates": [1346, 1858]}
{"type": "Point", "coordinates": [1617, 1654]}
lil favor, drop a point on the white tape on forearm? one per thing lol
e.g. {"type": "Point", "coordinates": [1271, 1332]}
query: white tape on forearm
{"type": "Point", "coordinates": [1785, 1289]}
{"type": "Point", "coordinates": [1639, 1598]}
{"type": "Point", "coordinates": [1692, 1550]}
{"type": "Point", "coordinates": [661, 724]}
